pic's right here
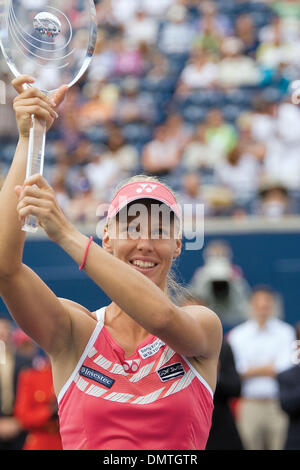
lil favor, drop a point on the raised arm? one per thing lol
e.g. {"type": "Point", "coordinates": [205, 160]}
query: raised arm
{"type": "Point", "coordinates": [190, 331]}
{"type": "Point", "coordinates": [11, 237]}
{"type": "Point", "coordinates": [31, 303]}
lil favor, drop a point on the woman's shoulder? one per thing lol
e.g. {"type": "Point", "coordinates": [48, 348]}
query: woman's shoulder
{"type": "Point", "coordinates": [75, 307]}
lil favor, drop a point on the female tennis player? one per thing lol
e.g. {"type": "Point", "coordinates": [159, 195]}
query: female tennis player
{"type": "Point", "coordinates": [139, 373]}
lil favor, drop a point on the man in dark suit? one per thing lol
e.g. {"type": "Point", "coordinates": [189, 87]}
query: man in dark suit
{"type": "Point", "coordinates": [224, 434]}
{"type": "Point", "coordinates": [12, 436]}
{"type": "Point", "coordinates": [289, 395]}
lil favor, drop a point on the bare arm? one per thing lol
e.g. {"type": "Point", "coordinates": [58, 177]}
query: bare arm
{"type": "Point", "coordinates": [264, 371]}
{"type": "Point", "coordinates": [37, 310]}
{"type": "Point", "coordinates": [191, 331]}
{"type": "Point", "coordinates": [33, 306]}
{"type": "Point", "coordinates": [11, 237]}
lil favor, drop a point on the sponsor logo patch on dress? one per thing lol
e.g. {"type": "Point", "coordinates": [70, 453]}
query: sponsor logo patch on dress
{"type": "Point", "coordinates": [96, 376]}
{"type": "Point", "coordinates": [170, 372]}
{"type": "Point", "coordinates": [151, 349]}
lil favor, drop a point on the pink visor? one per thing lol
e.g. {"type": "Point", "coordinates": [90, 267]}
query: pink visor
{"type": "Point", "coordinates": [142, 190]}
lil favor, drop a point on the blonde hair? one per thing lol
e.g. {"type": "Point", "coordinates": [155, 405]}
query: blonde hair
{"type": "Point", "coordinates": [175, 290]}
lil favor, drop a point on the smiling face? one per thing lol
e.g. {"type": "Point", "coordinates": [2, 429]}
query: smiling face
{"type": "Point", "coordinates": [147, 240]}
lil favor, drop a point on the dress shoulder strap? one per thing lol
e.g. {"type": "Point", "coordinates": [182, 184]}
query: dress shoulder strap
{"type": "Point", "coordinates": [101, 314]}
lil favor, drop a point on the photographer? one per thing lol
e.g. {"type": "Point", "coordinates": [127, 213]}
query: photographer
{"type": "Point", "coordinates": [221, 285]}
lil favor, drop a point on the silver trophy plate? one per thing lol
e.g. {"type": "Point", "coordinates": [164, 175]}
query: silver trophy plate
{"type": "Point", "coordinates": [51, 40]}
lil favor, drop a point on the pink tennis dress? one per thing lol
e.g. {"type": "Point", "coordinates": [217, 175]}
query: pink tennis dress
{"type": "Point", "coordinates": [153, 400]}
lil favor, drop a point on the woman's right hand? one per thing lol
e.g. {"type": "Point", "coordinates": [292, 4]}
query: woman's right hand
{"type": "Point", "coordinates": [32, 101]}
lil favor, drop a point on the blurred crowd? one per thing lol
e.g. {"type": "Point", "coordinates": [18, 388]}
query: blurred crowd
{"type": "Point", "coordinates": [196, 92]}
{"type": "Point", "coordinates": [257, 398]}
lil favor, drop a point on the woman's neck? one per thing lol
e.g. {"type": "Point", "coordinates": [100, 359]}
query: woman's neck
{"type": "Point", "coordinates": [118, 320]}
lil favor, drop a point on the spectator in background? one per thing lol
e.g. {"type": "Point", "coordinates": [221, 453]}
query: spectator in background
{"type": "Point", "coordinates": [282, 162]}
{"type": "Point", "coordinates": [209, 41]}
{"type": "Point", "coordinates": [269, 31]}
{"type": "Point", "coordinates": [133, 105]}
{"type": "Point", "coordinates": [219, 200]}
{"type": "Point", "coordinates": [82, 208]}
{"type": "Point", "coordinates": [124, 10]}
{"type": "Point", "coordinates": [103, 64]}
{"type": "Point", "coordinates": [159, 69]}
{"type": "Point", "coordinates": [36, 407]}
{"type": "Point", "coordinates": [139, 70]}
{"type": "Point", "coordinates": [61, 154]}
{"type": "Point", "coordinates": [142, 29]}
{"type": "Point", "coordinates": [277, 50]}
{"type": "Point", "coordinates": [263, 117]}
{"type": "Point", "coordinates": [287, 8]}
{"type": "Point", "coordinates": [219, 134]}
{"type": "Point", "coordinates": [69, 121]}
{"type": "Point", "coordinates": [100, 107]}
{"type": "Point", "coordinates": [59, 185]}
{"type": "Point", "coordinates": [247, 143]}
{"type": "Point", "coordinates": [224, 434]}
{"type": "Point", "coordinates": [200, 72]}
{"type": "Point", "coordinates": [274, 201]}
{"type": "Point", "coordinates": [245, 30]}
{"type": "Point", "coordinates": [24, 345]}
{"type": "Point", "coordinates": [7, 119]}
{"type": "Point", "coordinates": [198, 153]}
{"type": "Point", "coordinates": [160, 156]}
{"type": "Point", "coordinates": [177, 131]}
{"type": "Point", "coordinates": [235, 68]}
{"type": "Point", "coordinates": [177, 34]}
{"type": "Point", "coordinates": [115, 161]}
{"type": "Point", "coordinates": [240, 172]}
{"type": "Point", "coordinates": [221, 284]}
{"type": "Point", "coordinates": [82, 154]}
{"type": "Point", "coordinates": [289, 395]}
{"type": "Point", "coordinates": [129, 59]}
{"type": "Point", "coordinates": [156, 8]}
{"type": "Point", "coordinates": [12, 435]}
{"type": "Point", "coordinates": [190, 188]}
{"type": "Point", "coordinates": [122, 152]}
{"type": "Point", "coordinates": [191, 194]}
{"type": "Point", "coordinates": [262, 348]}
{"type": "Point", "coordinates": [285, 28]}
{"type": "Point", "coordinates": [211, 17]}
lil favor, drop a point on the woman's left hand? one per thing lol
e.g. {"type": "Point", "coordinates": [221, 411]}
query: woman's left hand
{"type": "Point", "coordinates": [38, 198]}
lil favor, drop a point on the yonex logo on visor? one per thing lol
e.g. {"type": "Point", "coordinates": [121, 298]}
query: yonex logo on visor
{"type": "Point", "coordinates": [148, 188]}
{"type": "Point", "coordinates": [142, 189]}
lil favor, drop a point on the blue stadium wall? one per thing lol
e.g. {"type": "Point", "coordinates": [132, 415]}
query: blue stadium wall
{"type": "Point", "coordinates": [268, 258]}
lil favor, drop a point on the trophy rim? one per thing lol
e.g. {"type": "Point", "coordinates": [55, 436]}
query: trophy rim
{"type": "Point", "coordinates": [93, 33]}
